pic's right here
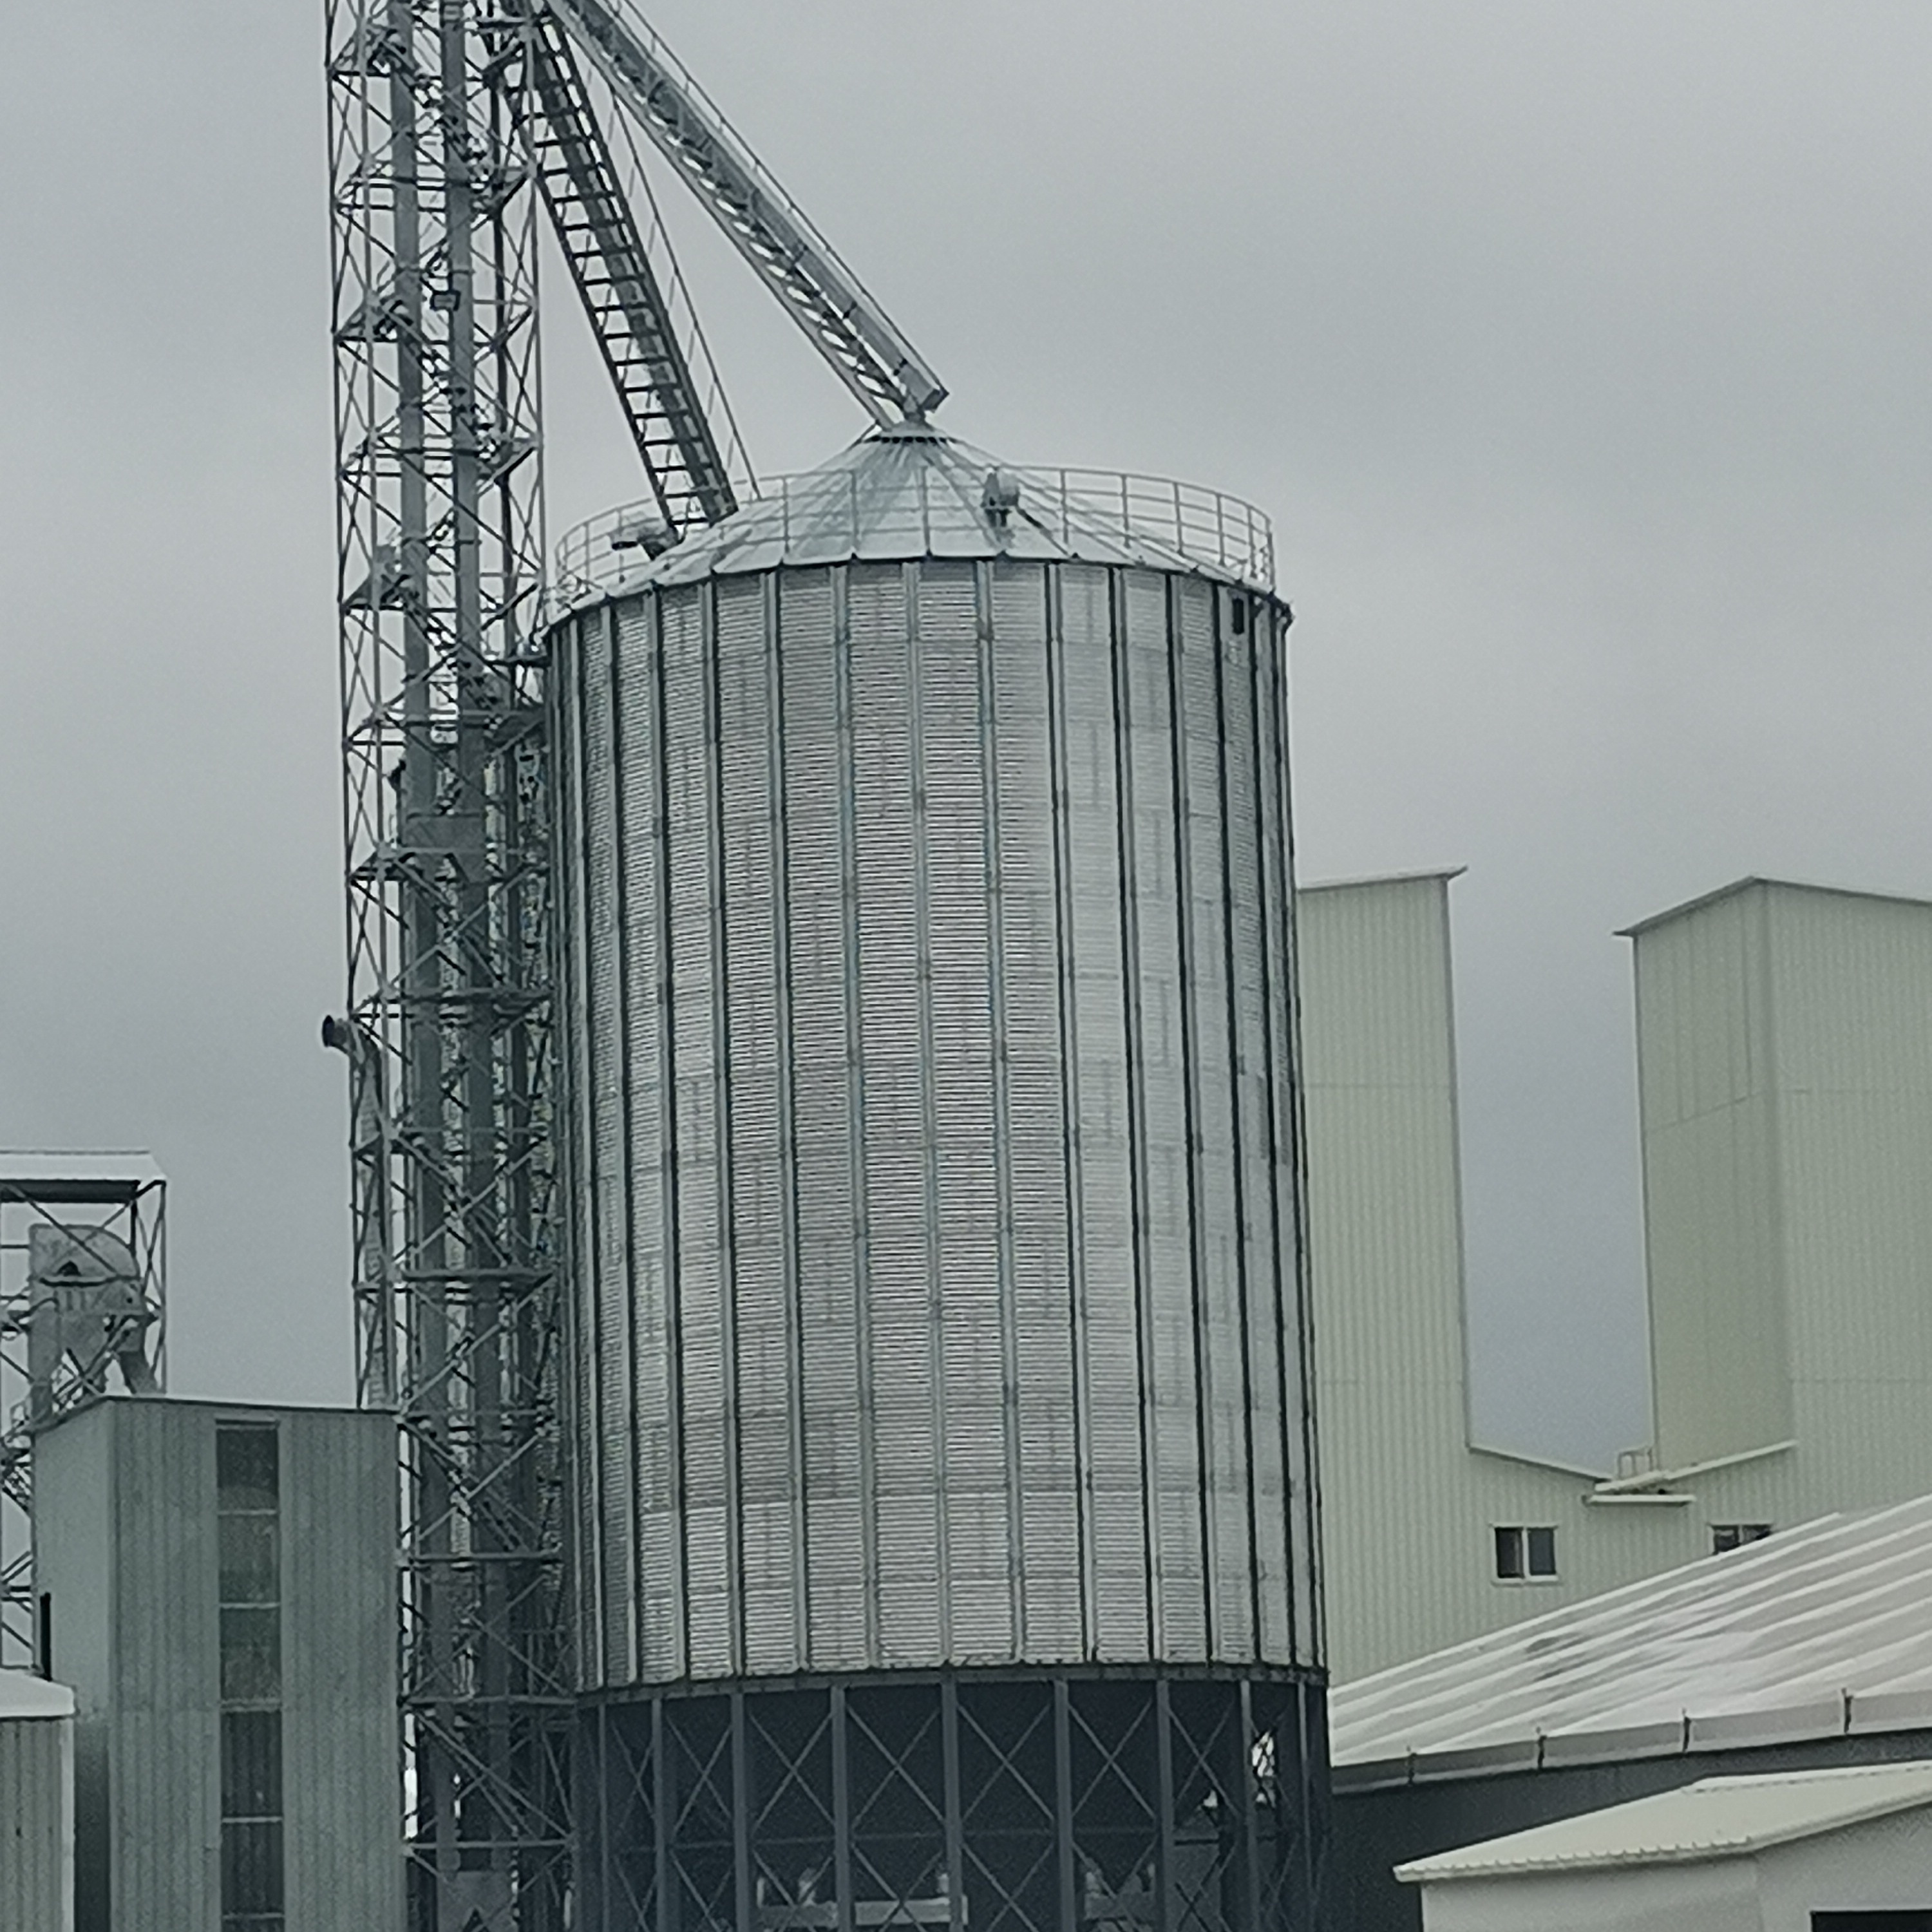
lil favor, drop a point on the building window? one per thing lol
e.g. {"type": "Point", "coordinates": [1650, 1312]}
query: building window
{"type": "Point", "coordinates": [1735, 1535]}
{"type": "Point", "coordinates": [1525, 1553]}
{"type": "Point", "coordinates": [248, 1529]}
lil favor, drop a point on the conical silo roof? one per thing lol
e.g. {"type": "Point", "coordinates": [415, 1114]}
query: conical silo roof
{"type": "Point", "coordinates": [909, 491]}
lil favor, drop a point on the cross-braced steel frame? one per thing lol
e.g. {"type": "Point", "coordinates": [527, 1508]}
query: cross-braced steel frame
{"type": "Point", "coordinates": [1145, 1800]}
{"type": "Point", "coordinates": [447, 1027]}
{"type": "Point", "coordinates": [44, 1375]}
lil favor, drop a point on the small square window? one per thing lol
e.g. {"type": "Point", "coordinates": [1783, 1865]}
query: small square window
{"type": "Point", "coordinates": [1735, 1535]}
{"type": "Point", "coordinates": [1525, 1553]}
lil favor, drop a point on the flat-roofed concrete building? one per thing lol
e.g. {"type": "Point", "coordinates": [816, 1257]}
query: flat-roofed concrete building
{"type": "Point", "coordinates": [217, 1582]}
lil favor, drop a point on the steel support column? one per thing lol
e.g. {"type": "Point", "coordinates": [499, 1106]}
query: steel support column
{"type": "Point", "coordinates": [1033, 1801]}
{"type": "Point", "coordinates": [447, 1028]}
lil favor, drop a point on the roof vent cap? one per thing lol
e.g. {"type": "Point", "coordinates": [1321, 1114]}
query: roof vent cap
{"type": "Point", "coordinates": [1000, 496]}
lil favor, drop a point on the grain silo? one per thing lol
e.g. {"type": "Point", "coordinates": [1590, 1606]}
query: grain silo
{"type": "Point", "coordinates": [943, 1531]}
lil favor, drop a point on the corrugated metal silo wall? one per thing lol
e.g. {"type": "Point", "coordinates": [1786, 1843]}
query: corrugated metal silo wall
{"type": "Point", "coordinates": [36, 1824]}
{"type": "Point", "coordinates": [934, 1145]}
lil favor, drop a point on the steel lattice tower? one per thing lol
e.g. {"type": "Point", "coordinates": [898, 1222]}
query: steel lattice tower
{"type": "Point", "coordinates": [447, 1029]}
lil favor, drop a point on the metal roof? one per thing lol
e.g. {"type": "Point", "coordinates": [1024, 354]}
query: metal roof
{"type": "Point", "coordinates": [909, 491]}
{"type": "Point", "coordinates": [1745, 885]}
{"type": "Point", "coordinates": [1715, 1818]}
{"type": "Point", "coordinates": [1820, 1630]}
{"type": "Point", "coordinates": [76, 1174]}
{"type": "Point", "coordinates": [1418, 875]}
{"type": "Point", "coordinates": [22, 1695]}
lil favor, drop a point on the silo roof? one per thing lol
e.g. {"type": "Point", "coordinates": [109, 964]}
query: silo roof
{"type": "Point", "coordinates": [23, 1695]}
{"type": "Point", "coordinates": [1824, 1630]}
{"type": "Point", "coordinates": [907, 491]}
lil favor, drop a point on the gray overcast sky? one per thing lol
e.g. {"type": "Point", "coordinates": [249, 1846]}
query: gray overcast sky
{"type": "Point", "coordinates": [1580, 353]}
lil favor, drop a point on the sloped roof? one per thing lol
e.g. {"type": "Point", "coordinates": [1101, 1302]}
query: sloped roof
{"type": "Point", "coordinates": [1715, 1818]}
{"type": "Point", "coordinates": [1745, 885]}
{"type": "Point", "coordinates": [22, 1695]}
{"type": "Point", "coordinates": [908, 491]}
{"type": "Point", "coordinates": [1819, 1630]}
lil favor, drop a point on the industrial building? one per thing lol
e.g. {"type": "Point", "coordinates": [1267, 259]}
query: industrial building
{"type": "Point", "coordinates": [1785, 1082]}
{"type": "Point", "coordinates": [1807, 1851]}
{"type": "Point", "coordinates": [1809, 1650]}
{"type": "Point", "coordinates": [216, 1582]}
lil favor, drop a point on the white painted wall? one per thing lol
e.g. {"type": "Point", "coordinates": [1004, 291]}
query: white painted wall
{"type": "Point", "coordinates": [1785, 1059]}
{"type": "Point", "coordinates": [1884, 1866]}
{"type": "Point", "coordinates": [1408, 1510]}
{"type": "Point", "coordinates": [1717, 1897]}
{"type": "Point", "coordinates": [1819, 1003]}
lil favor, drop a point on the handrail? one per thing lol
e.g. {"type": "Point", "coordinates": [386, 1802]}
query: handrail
{"type": "Point", "coordinates": [1196, 525]}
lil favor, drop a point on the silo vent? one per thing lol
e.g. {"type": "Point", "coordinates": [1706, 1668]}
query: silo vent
{"type": "Point", "coordinates": [648, 534]}
{"type": "Point", "coordinates": [1000, 496]}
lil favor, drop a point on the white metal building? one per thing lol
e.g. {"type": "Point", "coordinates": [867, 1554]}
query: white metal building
{"type": "Point", "coordinates": [1818, 1851]}
{"type": "Point", "coordinates": [36, 1804]}
{"type": "Point", "coordinates": [218, 1581]}
{"type": "Point", "coordinates": [1785, 1076]}
{"type": "Point", "coordinates": [1811, 1649]}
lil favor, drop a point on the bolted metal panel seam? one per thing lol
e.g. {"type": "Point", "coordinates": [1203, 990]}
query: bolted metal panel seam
{"type": "Point", "coordinates": [1065, 966]}
{"type": "Point", "coordinates": [1004, 1288]}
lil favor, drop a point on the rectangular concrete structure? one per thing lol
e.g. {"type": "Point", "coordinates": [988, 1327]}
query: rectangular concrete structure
{"type": "Point", "coordinates": [219, 1585]}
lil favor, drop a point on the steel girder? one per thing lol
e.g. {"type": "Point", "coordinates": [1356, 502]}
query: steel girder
{"type": "Point", "coordinates": [447, 1028]}
{"type": "Point", "coordinates": [56, 1349]}
{"type": "Point", "coordinates": [840, 318]}
{"type": "Point", "coordinates": [1042, 1801]}
{"type": "Point", "coordinates": [598, 231]}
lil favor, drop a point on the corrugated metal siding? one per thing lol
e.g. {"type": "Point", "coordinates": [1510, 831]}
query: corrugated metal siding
{"type": "Point", "coordinates": [1852, 1001]}
{"type": "Point", "coordinates": [127, 1545]}
{"type": "Point", "coordinates": [37, 1825]}
{"type": "Point", "coordinates": [763, 1279]}
{"type": "Point", "coordinates": [1104, 1271]}
{"type": "Point", "coordinates": [579, 1382]}
{"type": "Point", "coordinates": [1720, 1365]}
{"type": "Point", "coordinates": [165, 1765]}
{"type": "Point", "coordinates": [342, 1840]}
{"type": "Point", "coordinates": [1385, 1222]}
{"type": "Point", "coordinates": [978, 1169]}
{"type": "Point", "coordinates": [73, 1546]}
{"type": "Point", "coordinates": [1284, 1106]}
{"type": "Point", "coordinates": [1787, 1093]}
